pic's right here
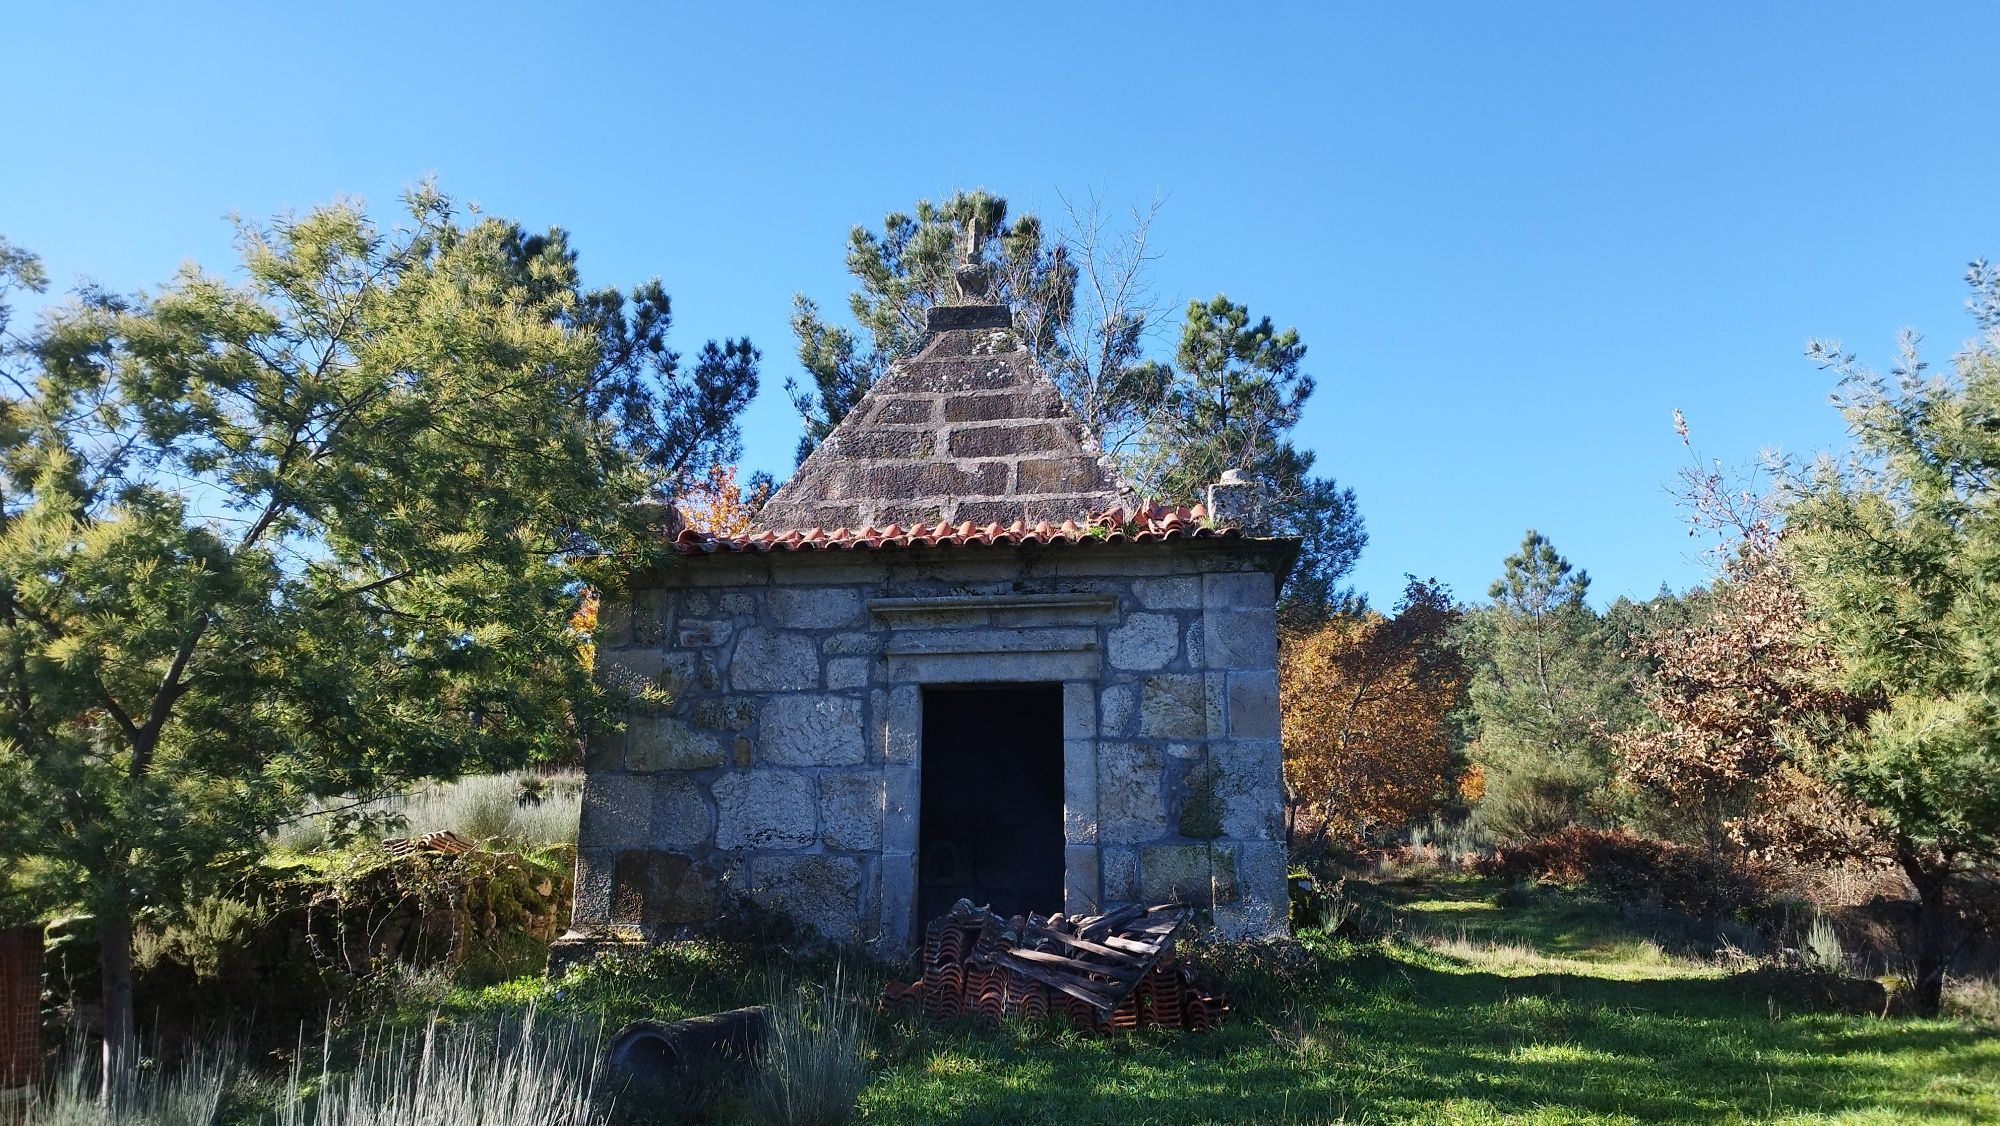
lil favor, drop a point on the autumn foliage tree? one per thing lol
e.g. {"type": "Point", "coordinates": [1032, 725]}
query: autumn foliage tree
{"type": "Point", "coordinates": [1846, 689]}
{"type": "Point", "coordinates": [717, 505]}
{"type": "Point", "coordinates": [1367, 703]}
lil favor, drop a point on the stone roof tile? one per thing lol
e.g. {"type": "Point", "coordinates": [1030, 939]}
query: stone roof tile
{"type": "Point", "coordinates": [968, 431]}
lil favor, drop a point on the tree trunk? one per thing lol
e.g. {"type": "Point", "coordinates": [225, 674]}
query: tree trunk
{"type": "Point", "coordinates": [115, 970]}
{"type": "Point", "coordinates": [1932, 940]}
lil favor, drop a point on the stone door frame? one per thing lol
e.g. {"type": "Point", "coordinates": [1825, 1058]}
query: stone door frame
{"type": "Point", "coordinates": [987, 639]}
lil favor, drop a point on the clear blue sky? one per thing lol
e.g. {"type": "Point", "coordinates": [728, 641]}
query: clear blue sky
{"type": "Point", "coordinates": [1513, 236]}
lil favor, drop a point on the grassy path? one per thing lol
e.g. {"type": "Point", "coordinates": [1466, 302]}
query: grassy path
{"type": "Point", "coordinates": [1570, 1017]}
{"type": "Point", "coordinates": [1491, 1008]}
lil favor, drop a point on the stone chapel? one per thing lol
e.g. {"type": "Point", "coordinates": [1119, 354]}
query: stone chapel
{"type": "Point", "coordinates": [955, 657]}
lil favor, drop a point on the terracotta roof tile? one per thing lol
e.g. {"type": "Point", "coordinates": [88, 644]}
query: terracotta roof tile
{"type": "Point", "coordinates": [1117, 524]}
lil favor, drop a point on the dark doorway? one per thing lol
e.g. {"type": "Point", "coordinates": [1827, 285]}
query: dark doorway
{"type": "Point", "coordinates": [991, 826]}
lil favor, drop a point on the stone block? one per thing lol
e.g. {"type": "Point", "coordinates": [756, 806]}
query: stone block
{"type": "Point", "coordinates": [850, 810]}
{"type": "Point", "coordinates": [821, 892]}
{"type": "Point", "coordinates": [662, 890]}
{"type": "Point", "coordinates": [739, 752]}
{"type": "Point", "coordinates": [1081, 892]}
{"type": "Point", "coordinates": [1058, 475]}
{"type": "Point", "coordinates": [1261, 869]}
{"type": "Point", "coordinates": [1118, 707]}
{"type": "Point", "coordinates": [678, 673]}
{"type": "Point", "coordinates": [897, 913]}
{"type": "Point", "coordinates": [853, 644]}
{"type": "Point", "coordinates": [617, 811]}
{"type": "Point", "coordinates": [1216, 707]}
{"type": "Point", "coordinates": [1131, 798]}
{"type": "Point", "coordinates": [1144, 642]}
{"type": "Point", "coordinates": [901, 798]}
{"type": "Point", "coordinates": [595, 868]}
{"type": "Point", "coordinates": [737, 604]}
{"type": "Point", "coordinates": [697, 604]}
{"type": "Point", "coordinates": [876, 442]}
{"type": "Point", "coordinates": [1250, 786]}
{"type": "Point", "coordinates": [652, 616]}
{"type": "Point", "coordinates": [1079, 709]}
{"type": "Point", "coordinates": [1250, 920]}
{"type": "Point", "coordinates": [812, 731]}
{"type": "Point", "coordinates": [899, 713]}
{"type": "Point", "coordinates": [1201, 874]}
{"type": "Point", "coordinates": [1240, 639]}
{"type": "Point", "coordinates": [765, 809]}
{"type": "Point", "coordinates": [614, 623]}
{"type": "Point", "coordinates": [773, 661]}
{"type": "Point", "coordinates": [1238, 590]}
{"type": "Point", "coordinates": [1173, 707]}
{"type": "Point", "coordinates": [815, 607]}
{"type": "Point", "coordinates": [1178, 592]}
{"type": "Point", "coordinates": [724, 713]}
{"type": "Point", "coordinates": [1253, 704]}
{"type": "Point", "coordinates": [682, 821]}
{"type": "Point", "coordinates": [991, 667]}
{"type": "Point", "coordinates": [657, 742]}
{"type": "Point", "coordinates": [998, 406]}
{"type": "Point", "coordinates": [1005, 439]}
{"type": "Point", "coordinates": [605, 747]}
{"type": "Point", "coordinates": [705, 633]}
{"type": "Point", "coordinates": [1120, 875]}
{"type": "Point", "coordinates": [905, 412]}
{"type": "Point", "coordinates": [848, 672]}
{"type": "Point", "coordinates": [1080, 791]}
{"type": "Point", "coordinates": [628, 672]}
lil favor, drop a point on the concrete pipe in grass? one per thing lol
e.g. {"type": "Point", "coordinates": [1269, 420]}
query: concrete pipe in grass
{"type": "Point", "coordinates": [649, 1051]}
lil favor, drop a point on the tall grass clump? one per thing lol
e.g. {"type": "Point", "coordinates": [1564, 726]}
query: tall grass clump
{"type": "Point", "coordinates": [522, 808]}
{"type": "Point", "coordinates": [1822, 947]}
{"type": "Point", "coordinates": [187, 1095]}
{"type": "Point", "coordinates": [455, 1077]}
{"type": "Point", "coordinates": [815, 1059]}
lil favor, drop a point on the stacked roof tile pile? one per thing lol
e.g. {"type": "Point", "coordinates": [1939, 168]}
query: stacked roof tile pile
{"type": "Point", "coordinates": [1107, 973]}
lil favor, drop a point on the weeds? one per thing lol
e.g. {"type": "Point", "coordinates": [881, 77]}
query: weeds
{"type": "Point", "coordinates": [188, 1095]}
{"type": "Point", "coordinates": [454, 1077]}
{"type": "Point", "coordinates": [815, 1060]}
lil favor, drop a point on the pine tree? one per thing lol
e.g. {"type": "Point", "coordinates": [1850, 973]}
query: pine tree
{"type": "Point", "coordinates": [907, 268]}
{"type": "Point", "coordinates": [1548, 692]}
{"type": "Point", "coordinates": [1237, 391]}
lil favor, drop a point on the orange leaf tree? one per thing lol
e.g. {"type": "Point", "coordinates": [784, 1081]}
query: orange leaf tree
{"type": "Point", "coordinates": [1368, 735]}
{"type": "Point", "coordinates": [716, 504]}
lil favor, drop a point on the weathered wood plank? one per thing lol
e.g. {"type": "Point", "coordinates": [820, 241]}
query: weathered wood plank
{"type": "Point", "coordinates": [1074, 988]}
{"type": "Point", "coordinates": [1116, 973]}
{"type": "Point", "coordinates": [1121, 957]}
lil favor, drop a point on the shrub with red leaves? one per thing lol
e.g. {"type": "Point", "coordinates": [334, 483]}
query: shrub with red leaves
{"type": "Point", "coordinates": [1631, 869]}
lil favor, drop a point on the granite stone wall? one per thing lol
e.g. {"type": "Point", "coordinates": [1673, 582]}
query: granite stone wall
{"type": "Point", "coordinates": [772, 745]}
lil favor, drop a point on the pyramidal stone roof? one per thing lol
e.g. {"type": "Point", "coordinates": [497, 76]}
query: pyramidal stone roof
{"type": "Point", "coordinates": [967, 430]}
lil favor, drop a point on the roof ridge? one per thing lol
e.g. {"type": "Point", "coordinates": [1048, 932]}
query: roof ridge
{"type": "Point", "coordinates": [1144, 521]}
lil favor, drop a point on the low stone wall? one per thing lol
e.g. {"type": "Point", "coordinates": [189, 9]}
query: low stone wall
{"type": "Point", "coordinates": [773, 744]}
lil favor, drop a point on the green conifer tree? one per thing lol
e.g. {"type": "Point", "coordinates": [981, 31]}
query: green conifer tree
{"type": "Point", "coordinates": [1549, 690]}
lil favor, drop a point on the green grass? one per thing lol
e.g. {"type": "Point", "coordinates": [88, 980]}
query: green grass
{"type": "Point", "coordinates": [1550, 1010]}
